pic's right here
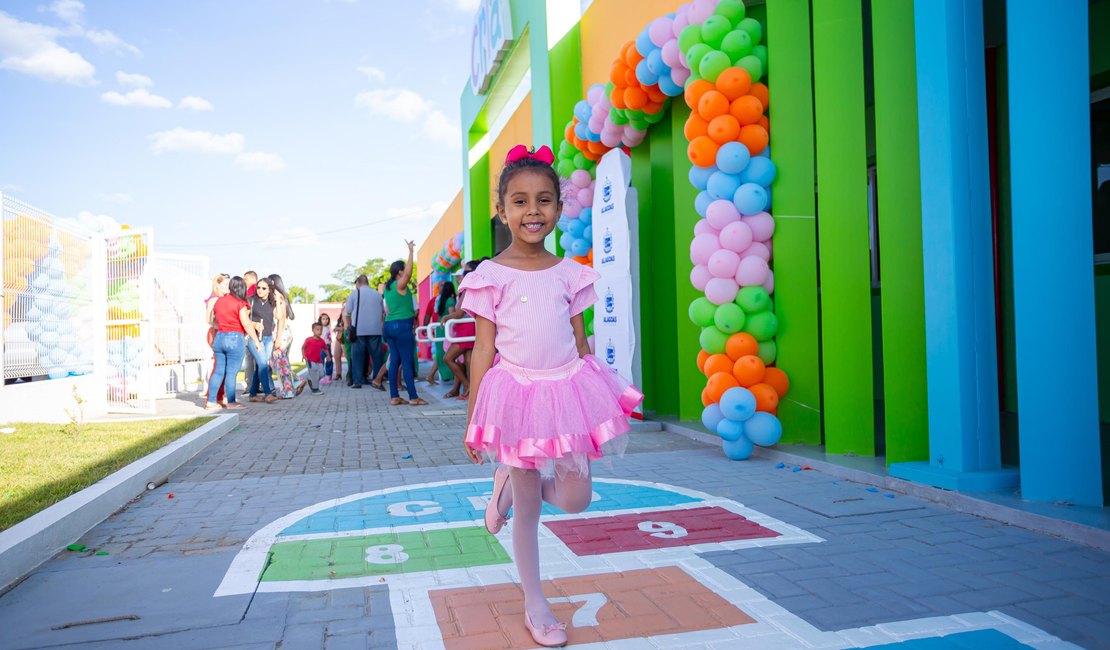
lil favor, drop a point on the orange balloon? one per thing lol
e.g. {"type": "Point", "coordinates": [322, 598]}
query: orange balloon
{"type": "Point", "coordinates": [695, 126]}
{"type": "Point", "coordinates": [655, 94]}
{"type": "Point", "coordinates": [568, 135]}
{"type": "Point", "coordinates": [712, 104]}
{"type": "Point", "coordinates": [724, 128]}
{"type": "Point", "coordinates": [630, 78]}
{"type": "Point", "coordinates": [754, 138]}
{"type": "Point", "coordinates": [635, 97]}
{"type": "Point", "coordinates": [705, 401]}
{"type": "Point", "coordinates": [581, 259]}
{"type": "Point", "coordinates": [765, 123]}
{"type": "Point", "coordinates": [702, 151]}
{"type": "Point", "coordinates": [748, 370]}
{"type": "Point", "coordinates": [734, 82]}
{"type": "Point", "coordinates": [721, 382]}
{"type": "Point", "coordinates": [741, 344]}
{"type": "Point", "coordinates": [776, 378]}
{"type": "Point", "coordinates": [624, 48]}
{"type": "Point", "coordinates": [616, 98]}
{"type": "Point", "coordinates": [616, 73]}
{"type": "Point", "coordinates": [651, 108]}
{"type": "Point", "coordinates": [597, 147]}
{"type": "Point", "coordinates": [762, 94]}
{"type": "Point", "coordinates": [579, 143]}
{"type": "Point", "coordinates": [717, 363]}
{"type": "Point", "coordinates": [590, 257]}
{"type": "Point", "coordinates": [589, 154]}
{"type": "Point", "coordinates": [695, 90]}
{"type": "Point", "coordinates": [766, 399]}
{"type": "Point", "coordinates": [703, 356]}
{"type": "Point", "coordinates": [746, 109]}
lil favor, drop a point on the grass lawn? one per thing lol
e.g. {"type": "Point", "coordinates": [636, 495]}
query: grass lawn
{"type": "Point", "coordinates": [41, 464]}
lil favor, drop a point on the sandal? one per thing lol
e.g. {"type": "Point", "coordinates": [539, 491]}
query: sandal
{"type": "Point", "coordinates": [398, 401]}
{"type": "Point", "coordinates": [254, 398]}
{"type": "Point", "coordinates": [419, 401]}
{"type": "Point", "coordinates": [451, 394]}
{"type": "Point", "coordinates": [463, 398]}
{"type": "Point", "coordinates": [270, 399]}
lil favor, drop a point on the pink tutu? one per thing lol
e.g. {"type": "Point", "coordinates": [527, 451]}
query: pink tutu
{"type": "Point", "coordinates": [529, 418]}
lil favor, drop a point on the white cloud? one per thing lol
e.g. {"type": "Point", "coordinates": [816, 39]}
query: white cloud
{"type": "Point", "coordinates": [32, 49]}
{"type": "Point", "coordinates": [406, 106]}
{"type": "Point", "coordinates": [107, 40]}
{"type": "Point", "coordinates": [116, 197]}
{"type": "Point", "coordinates": [139, 97]}
{"type": "Point", "coordinates": [295, 237]}
{"type": "Point", "coordinates": [469, 6]}
{"type": "Point", "coordinates": [180, 139]}
{"type": "Point", "coordinates": [71, 11]}
{"type": "Point", "coordinates": [375, 74]}
{"type": "Point", "coordinates": [195, 103]}
{"type": "Point", "coordinates": [100, 223]}
{"type": "Point", "coordinates": [133, 80]}
{"type": "Point", "coordinates": [260, 161]}
{"type": "Point", "coordinates": [11, 187]}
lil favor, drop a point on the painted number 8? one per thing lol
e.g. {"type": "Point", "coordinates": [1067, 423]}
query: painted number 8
{"type": "Point", "coordinates": [663, 529]}
{"type": "Point", "coordinates": [386, 554]}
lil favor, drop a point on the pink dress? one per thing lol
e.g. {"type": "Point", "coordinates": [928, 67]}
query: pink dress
{"type": "Point", "coordinates": [540, 401]}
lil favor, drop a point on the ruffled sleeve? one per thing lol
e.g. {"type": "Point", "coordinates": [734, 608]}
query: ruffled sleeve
{"type": "Point", "coordinates": [582, 291]}
{"type": "Point", "coordinates": [482, 295]}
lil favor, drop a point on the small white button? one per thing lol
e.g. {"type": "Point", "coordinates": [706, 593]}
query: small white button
{"type": "Point", "coordinates": [524, 299]}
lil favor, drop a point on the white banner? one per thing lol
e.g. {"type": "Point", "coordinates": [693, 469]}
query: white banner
{"type": "Point", "coordinates": [614, 330]}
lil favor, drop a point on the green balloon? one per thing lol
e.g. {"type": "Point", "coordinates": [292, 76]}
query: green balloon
{"type": "Point", "coordinates": [694, 76]}
{"type": "Point", "coordinates": [714, 29]}
{"type": "Point", "coordinates": [640, 124]}
{"type": "Point", "coordinates": [731, 9]}
{"type": "Point", "coordinates": [689, 37]}
{"type": "Point", "coordinates": [565, 167]}
{"type": "Point", "coordinates": [617, 116]}
{"type": "Point", "coordinates": [566, 149]}
{"type": "Point", "coordinates": [737, 44]}
{"type": "Point", "coordinates": [713, 340]}
{"type": "Point", "coordinates": [729, 318]}
{"type": "Point", "coordinates": [713, 64]}
{"type": "Point", "coordinates": [763, 326]}
{"type": "Point", "coordinates": [760, 52]}
{"type": "Point", "coordinates": [767, 352]}
{"type": "Point", "coordinates": [702, 312]}
{"type": "Point", "coordinates": [753, 299]}
{"type": "Point", "coordinates": [580, 160]}
{"type": "Point", "coordinates": [753, 28]}
{"type": "Point", "coordinates": [693, 57]}
{"type": "Point", "coordinates": [753, 66]}
{"type": "Point", "coordinates": [656, 118]}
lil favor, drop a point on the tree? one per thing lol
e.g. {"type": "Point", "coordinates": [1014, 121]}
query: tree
{"type": "Point", "coordinates": [301, 295]}
{"type": "Point", "coordinates": [345, 279]}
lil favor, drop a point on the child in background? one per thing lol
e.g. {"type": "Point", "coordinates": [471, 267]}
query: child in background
{"type": "Point", "coordinates": [314, 350]}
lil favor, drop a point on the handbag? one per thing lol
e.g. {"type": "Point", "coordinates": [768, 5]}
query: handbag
{"type": "Point", "coordinates": [351, 333]}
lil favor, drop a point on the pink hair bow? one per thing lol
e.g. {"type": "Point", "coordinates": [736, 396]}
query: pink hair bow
{"type": "Point", "coordinates": [543, 154]}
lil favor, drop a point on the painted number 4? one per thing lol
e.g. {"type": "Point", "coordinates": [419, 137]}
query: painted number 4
{"type": "Point", "coordinates": [586, 615]}
{"type": "Point", "coordinates": [663, 529]}
{"type": "Point", "coordinates": [386, 554]}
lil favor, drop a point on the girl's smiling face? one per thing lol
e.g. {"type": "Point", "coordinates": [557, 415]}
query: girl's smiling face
{"type": "Point", "coordinates": [530, 207]}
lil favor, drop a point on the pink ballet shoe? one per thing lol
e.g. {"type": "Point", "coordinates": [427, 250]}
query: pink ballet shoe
{"type": "Point", "coordinates": [494, 519]}
{"type": "Point", "coordinates": [549, 635]}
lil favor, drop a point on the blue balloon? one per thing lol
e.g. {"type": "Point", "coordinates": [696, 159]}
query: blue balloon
{"type": "Point", "coordinates": [750, 198]}
{"type": "Point", "coordinates": [722, 185]}
{"type": "Point", "coordinates": [588, 234]}
{"type": "Point", "coordinates": [668, 86]}
{"type": "Point", "coordinates": [643, 43]}
{"type": "Point", "coordinates": [655, 61]}
{"type": "Point", "coordinates": [738, 403]}
{"type": "Point", "coordinates": [586, 216]}
{"type": "Point", "coordinates": [766, 153]}
{"type": "Point", "coordinates": [699, 176]}
{"type": "Point", "coordinates": [763, 429]}
{"type": "Point", "coordinates": [593, 137]}
{"type": "Point", "coordinates": [730, 429]}
{"type": "Point", "coordinates": [581, 131]}
{"type": "Point", "coordinates": [760, 171]}
{"type": "Point", "coordinates": [733, 157]}
{"type": "Point", "coordinates": [740, 449]}
{"type": "Point", "coordinates": [701, 202]}
{"type": "Point", "coordinates": [644, 74]}
{"type": "Point", "coordinates": [711, 416]}
{"type": "Point", "coordinates": [566, 240]}
{"type": "Point", "coordinates": [580, 246]}
{"type": "Point", "coordinates": [583, 111]}
{"type": "Point", "coordinates": [576, 227]}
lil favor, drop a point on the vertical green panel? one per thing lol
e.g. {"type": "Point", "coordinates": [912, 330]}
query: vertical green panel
{"type": "Point", "coordinates": [646, 290]}
{"type": "Point", "coordinates": [842, 226]}
{"type": "Point", "coordinates": [657, 270]}
{"type": "Point", "coordinates": [899, 211]}
{"type": "Point", "coordinates": [686, 346]}
{"type": "Point", "coordinates": [481, 232]}
{"type": "Point", "coordinates": [565, 63]}
{"type": "Point", "coordinates": [795, 241]}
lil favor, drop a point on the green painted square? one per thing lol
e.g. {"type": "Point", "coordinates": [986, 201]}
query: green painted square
{"type": "Point", "coordinates": [347, 557]}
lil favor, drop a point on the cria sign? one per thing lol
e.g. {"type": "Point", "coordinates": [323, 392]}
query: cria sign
{"type": "Point", "coordinates": [493, 31]}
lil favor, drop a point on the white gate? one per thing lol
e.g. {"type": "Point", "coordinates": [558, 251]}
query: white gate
{"type": "Point", "coordinates": [129, 306]}
{"type": "Point", "coordinates": [182, 358]}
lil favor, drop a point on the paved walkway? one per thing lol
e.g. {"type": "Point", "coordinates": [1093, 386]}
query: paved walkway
{"type": "Point", "coordinates": [342, 522]}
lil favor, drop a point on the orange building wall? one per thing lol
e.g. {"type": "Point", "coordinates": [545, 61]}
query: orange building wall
{"type": "Point", "coordinates": [607, 25]}
{"type": "Point", "coordinates": [450, 223]}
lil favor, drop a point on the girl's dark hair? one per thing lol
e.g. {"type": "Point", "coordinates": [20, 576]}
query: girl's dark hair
{"type": "Point", "coordinates": [269, 296]}
{"type": "Point", "coordinates": [394, 270]}
{"type": "Point", "coordinates": [517, 166]}
{"type": "Point", "coordinates": [237, 287]}
{"type": "Point", "coordinates": [278, 286]}
{"type": "Point", "coordinates": [446, 292]}
{"type": "Point", "coordinates": [322, 317]}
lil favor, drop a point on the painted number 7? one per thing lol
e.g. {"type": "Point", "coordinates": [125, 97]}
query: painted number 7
{"type": "Point", "coordinates": [663, 529]}
{"type": "Point", "coordinates": [586, 615]}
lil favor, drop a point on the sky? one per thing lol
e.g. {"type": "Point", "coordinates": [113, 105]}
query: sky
{"type": "Point", "coordinates": [283, 136]}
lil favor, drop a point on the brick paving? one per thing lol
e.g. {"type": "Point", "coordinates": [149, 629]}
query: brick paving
{"type": "Point", "coordinates": [362, 520]}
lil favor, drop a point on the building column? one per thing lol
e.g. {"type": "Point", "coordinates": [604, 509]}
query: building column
{"type": "Point", "coordinates": [1054, 318]}
{"type": "Point", "coordinates": [956, 237]}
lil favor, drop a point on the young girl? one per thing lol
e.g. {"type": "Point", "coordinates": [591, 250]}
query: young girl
{"type": "Point", "coordinates": [544, 402]}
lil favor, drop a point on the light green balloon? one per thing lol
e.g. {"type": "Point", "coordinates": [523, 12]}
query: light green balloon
{"type": "Point", "coordinates": [752, 65]}
{"type": "Point", "coordinates": [713, 64]}
{"type": "Point", "coordinates": [713, 340]}
{"type": "Point", "coordinates": [760, 52]}
{"type": "Point", "coordinates": [565, 167]}
{"type": "Point", "coordinates": [737, 44]}
{"type": "Point", "coordinates": [731, 9]}
{"type": "Point", "coordinates": [655, 118]}
{"type": "Point", "coordinates": [729, 318]}
{"type": "Point", "coordinates": [753, 28]}
{"type": "Point", "coordinates": [701, 311]}
{"type": "Point", "coordinates": [714, 29]}
{"type": "Point", "coordinates": [767, 352]}
{"type": "Point", "coordinates": [693, 57]}
{"type": "Point", "coordinates": [617, 116]}
{"type": "Point", "coordinates": [580, 160]}
{"type": "Point", "coordinates": [689, 37]}
{"type": "Point", "coordinates": [753, 299]}
{"type": "Point", "coordinates": [763, 326]}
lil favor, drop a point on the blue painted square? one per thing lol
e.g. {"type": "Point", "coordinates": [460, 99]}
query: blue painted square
{"type": "Point", "coordinates": [977, 640]}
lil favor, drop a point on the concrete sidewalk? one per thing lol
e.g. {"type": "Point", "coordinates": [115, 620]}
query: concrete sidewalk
{"type": "Point", "coordinates": [338, 521]}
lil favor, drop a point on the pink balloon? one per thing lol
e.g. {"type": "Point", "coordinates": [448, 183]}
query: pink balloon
{"type": "Point", "coordinates": [700, 10]}
{"type": "Point", "coordinates": [703, 246]}
{"type": "Point", "coordinates": [581, 178]}
{"type": "Point", "coordinates": [681, 74]}
{"type": "Point", "coordinates": [763, 225]}
{"type": "Point", "coordinates": [595, 93]}
{"type": "Point", "coordinates": [681, 20]}
{"type": "Point", "coordinates": [721, 290]}
{"type": "Point", "coordinates": [757, 249]}
{"type": "Point", "coordinates": [703, 226]}
{"type": "Point", "coordinates": [671, 52]}
{"type": "Point", "coordinates": [720, 213]}
{"type": "Point", "coordinates": [586, 196]}
{"type": "Point", "coordinates": [610, 139]}
{"type": "Point", "coordinates": [700, 276]}
{"type": "Point", "coordinates": [596, 123]}
{"type": "Point", "coordinates": [660, 30]}
{"type": "Point", "coordinates": [736, 236]}
{"type": "Point", "coordinates": [769, 284]}
{"type": "Point", "coordinates": [571, 209]}
{"type": "Point", "coordinates": [723, 264]}
{"type": "Point", "coordinates": [634, 140]}
{"type": "Point", "coordinates": [752, 271]}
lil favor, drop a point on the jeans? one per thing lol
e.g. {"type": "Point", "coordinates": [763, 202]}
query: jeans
{"type": "Point", "coordinates": [229, 351]}
{"type": "Point", "coordinates": [261, 377]}
{"type": "Point", "coordinates": [402, 348]}
{"type": "Point", "coordinates": [362, 347]}
{"type": "Point", "coordinates": [315, 374]}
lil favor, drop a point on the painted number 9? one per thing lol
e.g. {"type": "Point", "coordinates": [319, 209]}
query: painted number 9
{"type": "Point", "coordinates": [386, 554]}
{"type": "Point", "coordinates": [663, 529]}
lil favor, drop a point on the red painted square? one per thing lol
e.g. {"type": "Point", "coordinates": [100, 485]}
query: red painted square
{"type": "Point", "coordinates": [663, 529]}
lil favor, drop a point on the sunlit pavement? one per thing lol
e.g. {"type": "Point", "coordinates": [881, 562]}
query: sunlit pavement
{"type": "Point", "coordinates": [338, 521]}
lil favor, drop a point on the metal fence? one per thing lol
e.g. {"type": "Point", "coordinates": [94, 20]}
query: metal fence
{"type": "Point", "coordinates": [129, 302]}
{"type": "Point", "coordinates": [181, 352]}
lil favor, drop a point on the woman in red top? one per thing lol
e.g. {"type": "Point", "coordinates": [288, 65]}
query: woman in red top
{"type": "Point", "coordinates": [231, 318]}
